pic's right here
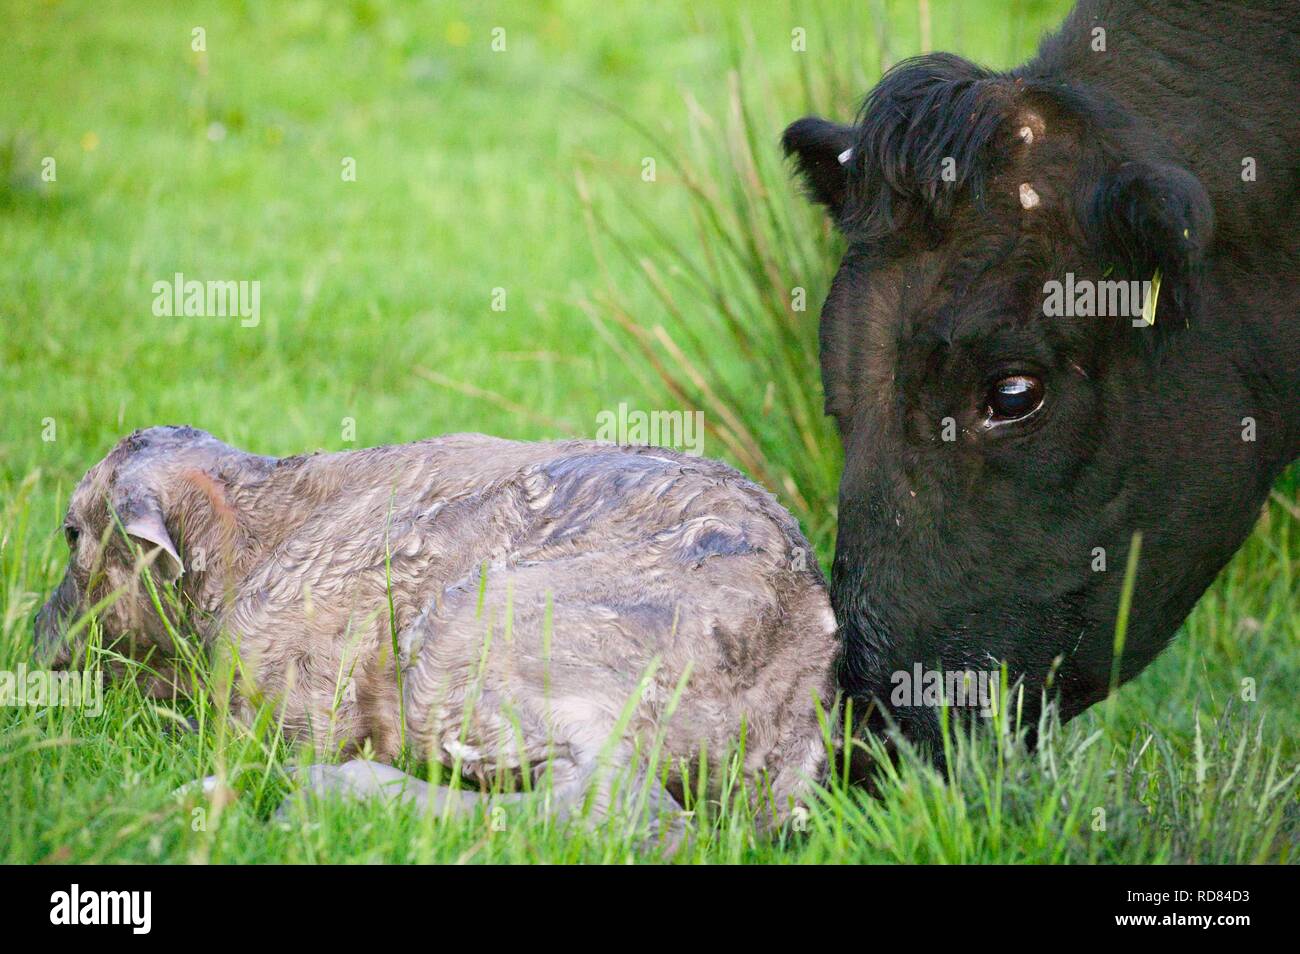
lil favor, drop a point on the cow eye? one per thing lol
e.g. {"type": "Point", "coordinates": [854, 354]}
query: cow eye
{"type": "Point", "coordinates": [1014, 397]}
{"type": "Point", "coordinates": [72, 535]}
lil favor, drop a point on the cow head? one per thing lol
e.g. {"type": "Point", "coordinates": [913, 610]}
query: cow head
{"type": "Point", "coordinates": [146, 524]}
{"type": "Point", "coordinates": [1003, 439]}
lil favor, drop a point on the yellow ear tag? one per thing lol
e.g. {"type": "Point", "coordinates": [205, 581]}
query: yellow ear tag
{"type": "Point", "coordinates": [1149, 306]}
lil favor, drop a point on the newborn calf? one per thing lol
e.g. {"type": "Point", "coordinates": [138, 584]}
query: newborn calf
{"type": "Point", "coordinates": [546, 601]}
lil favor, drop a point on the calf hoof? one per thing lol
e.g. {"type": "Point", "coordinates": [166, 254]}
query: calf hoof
{"type": "Point", "coordinates": [210, 788]}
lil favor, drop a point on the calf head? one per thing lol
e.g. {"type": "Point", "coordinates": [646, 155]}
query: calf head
{"type": "Point", "coordinates": [129, 521]}
{"type": "Point", "coordinates": [1001, 454]}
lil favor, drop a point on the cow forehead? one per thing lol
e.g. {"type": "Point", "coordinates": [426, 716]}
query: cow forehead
{"type": "Point", "coordinates": [88, 497]}
{"type": "Point", "coordinates": [859, 334]}
{"type": "Point", "coordinates": [92, 489]}
{"type": "Point", "coordinates": [887, 314]}
{"type": "Point", "coordinates": [928, 293]}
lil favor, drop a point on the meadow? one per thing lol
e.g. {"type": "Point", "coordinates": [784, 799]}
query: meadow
{"type": "Point", "coordinates": [510, 218]}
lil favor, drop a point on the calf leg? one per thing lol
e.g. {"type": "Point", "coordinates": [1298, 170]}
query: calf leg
{"type": "Point", "coordinates": [361, 779]}
{"type": "Point", "coordinates": [633, 799]}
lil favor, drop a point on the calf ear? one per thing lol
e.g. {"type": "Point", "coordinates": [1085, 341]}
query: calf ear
{"type": "Point", "coordinates": [147, 529]}
{"type": "Point", "coordinates": [821, 150]}
{"type": "Point", "coordinates": [1148, 216]}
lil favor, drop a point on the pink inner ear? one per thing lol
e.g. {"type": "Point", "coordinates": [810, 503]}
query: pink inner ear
{"type": "Point", "coordinates": [148, 528]}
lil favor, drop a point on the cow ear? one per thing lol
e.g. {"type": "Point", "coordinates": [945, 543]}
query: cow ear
{"type": "Point", "coordinates": [822, 151]}
{"type": "Point", "coordinates": [148, 530]}
{"type": "Point", "coordinates": [1148, 217]}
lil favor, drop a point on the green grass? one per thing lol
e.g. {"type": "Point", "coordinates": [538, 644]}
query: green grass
{"type": "Point", "coordinates": [518, 170]}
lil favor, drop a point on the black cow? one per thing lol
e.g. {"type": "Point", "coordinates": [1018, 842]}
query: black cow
{"type": "Point", "coordinates": [1000, 450]}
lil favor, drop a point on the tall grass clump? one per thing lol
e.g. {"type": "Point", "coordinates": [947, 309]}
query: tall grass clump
{"type": "Point", "coordinates": [1080, 794]}
{"type": "Point", "coordinates": [733, 330]}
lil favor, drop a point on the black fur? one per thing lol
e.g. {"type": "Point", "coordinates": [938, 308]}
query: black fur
{"type": "Point", "coordinates": [979, 551]}
{"type": "Point", "coordinates": [1146, 218]}
{"type": "Point", "coordinates": [819, 144]}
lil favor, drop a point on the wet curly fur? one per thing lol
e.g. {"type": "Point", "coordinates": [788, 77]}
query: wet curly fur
{"type": "Point", "coordinates": [537, 591]}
